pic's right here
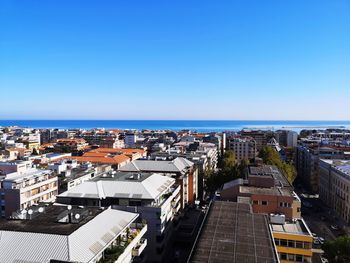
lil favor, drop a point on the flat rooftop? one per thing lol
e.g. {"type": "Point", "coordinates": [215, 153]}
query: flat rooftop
{"type": "Point", "coordinates": [272, 171]}
{"type": "Point", "coordinates": [297, 227]}
{"type": "Point", "coordinates": [27, 175]}
{"type": "Point", "coordinates": [232, 233]}
{"type": "Point", "coordinates": [265, 191]}
{"type": "Point", "coordinates": [47, 221]}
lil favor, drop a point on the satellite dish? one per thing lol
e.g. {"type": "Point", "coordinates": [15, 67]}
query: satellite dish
{"type": "Point", "coordinates": [77, 216]}
{"type": "Point", "coordinates": [69, 207]}
{"type": "Point", "coordinates": [30, 211]}
{"type": "Point", "coordinates": [41, 209]}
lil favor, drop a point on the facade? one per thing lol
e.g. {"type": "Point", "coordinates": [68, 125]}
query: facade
{"type": "Point", "coordinates": [58, 234]}
{"type": "Point", "coordinates": [130, 139]}
{"type": "Point", "coordinates": [260, 137]}
{"type": "Point", "coordinates": [307, 162]}
{"type": "Point", "coordinates": [334, 188]}
{"type": "Point", "coordinates": [266, 190]}
{"type": "Point", "coordinates": [155, 197]}
{"type": "Point", "coordinates": [244, 148]}
{"type": "Point", "coordinates": [70, 145]}
{"type": "Point", "coordinates": [21, 190]}
{"type": "Point", "coordinates": [293, 239]}
{"type": "Point", "coordinates": [287, 138]}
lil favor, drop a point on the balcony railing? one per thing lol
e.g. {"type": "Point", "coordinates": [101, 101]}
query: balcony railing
{"type": "Point", "coordinates": [141, 245]}
{"type": "Point", "coordinates": [123, 244]}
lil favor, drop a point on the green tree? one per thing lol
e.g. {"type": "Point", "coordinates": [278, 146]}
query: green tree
{"type": "Point", "coordinates": [272, 157]}
{"type": "Point", "coordinates": [338, 250]}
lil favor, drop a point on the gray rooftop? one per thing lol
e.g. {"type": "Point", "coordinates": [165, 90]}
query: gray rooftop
{"type": "Point", "coordinates": [123, 185]}
{"type": "Point", "coordinates": [232, 233]}
{"type": "Point", "coordinates": [177, 165]}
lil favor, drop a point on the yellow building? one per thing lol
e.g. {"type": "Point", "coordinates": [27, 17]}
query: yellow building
{"type": "Point", "coordinates": [293, 240]}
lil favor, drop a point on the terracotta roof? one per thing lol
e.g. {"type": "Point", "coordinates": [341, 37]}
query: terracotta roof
{"type": "Point", "coordinates": [119, 150]}
{"type": "Point", "coordinates": [118, 159]}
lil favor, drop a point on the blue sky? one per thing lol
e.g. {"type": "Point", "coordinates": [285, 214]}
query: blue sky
{"type": "Point", "coordinates": [191, 59]}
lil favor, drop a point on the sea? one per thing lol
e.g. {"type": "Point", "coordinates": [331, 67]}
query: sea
{"type": "Point", "coordinates": [176, 125]}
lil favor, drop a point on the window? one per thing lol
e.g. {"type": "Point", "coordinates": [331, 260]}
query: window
{"type": "Point", "coordinates": [299, 244]}
{"type": "Point", "coordinates": [264, 202]}
{"type": "Point", "coordinates": [283, 256]}
{"type": "Point", "coordinates": [291, 243]}
{"type": "Point", "coordinates": [283, 242]}
{"type": "Point", "coordinates": [299, 258]}
{"type": "Point", "coordinates": [255, 202]}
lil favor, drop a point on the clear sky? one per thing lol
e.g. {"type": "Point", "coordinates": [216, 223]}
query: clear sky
{"type": "Point", "coordinates": [190, 59]}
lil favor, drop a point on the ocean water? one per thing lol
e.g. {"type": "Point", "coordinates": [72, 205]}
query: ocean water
{"type": "Point", "coordinates": [196, 125]}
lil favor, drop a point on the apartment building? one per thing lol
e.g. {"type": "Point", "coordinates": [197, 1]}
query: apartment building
{"type": "Point", "coordinates": [307, 161]}
{"type": "Point", "coordinates": [14, 166]}
{"type": "Point", "coordinates": [260, 137]}
{"type": "Point", "coordinates": [243, 147]}
{"type": "Point", "coordinates": [266, 190]}
{"type": "Point", "coordinates": [155, 197]}
{"type": "Point", "coordinates": [20, 190]}
{"type": "Point", "coordinates": [182, 170]}
{"type": "Point", "coordinates": [334, 188]}
{"type": "Point", "coordinates": [70, 145]}
{"type": "Point", "coordinates": [293, 239]}
{"type": "Point", "coordinates": [287, 138]}
{"type": "Point", "coordinates": [72, 234]}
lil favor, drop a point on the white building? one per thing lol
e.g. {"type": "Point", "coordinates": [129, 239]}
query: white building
{"type": "Point", "coordinates": [155, 197]}
{"type": "Point", "coordinates": [20, 190]}
{"type": "Point", "coordinates": [56, 234]}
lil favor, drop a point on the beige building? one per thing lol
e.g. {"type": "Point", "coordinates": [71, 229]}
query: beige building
{"type": "Point", "coordinates": [244, 147]}
{"type": "Point", "coordinates": [334, 186]}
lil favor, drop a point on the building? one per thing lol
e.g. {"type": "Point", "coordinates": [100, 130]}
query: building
{"type": "Point", "coordinates": [266, 190]}
{"type": "Point", "coordinates": [307, 162]}
{"type": "Point", "coordinates": [70, 145]}
{"type": "Point", "coordinates": [260, 137]}
{"type": "Point", "coordinates": [130, 139]}
{"type": "Point", "coordinates": [71, 173]}
{"type": "Point", "coordinates": [293, 239]}
{"type": "Point", "coordinates": [56, 234]}
{"type": "Point", "coordinates": [181, 169]}
{"type": "Point", "coordinates": [243, 147]}
{"type": "Point", "coordinates": [287, 138]}
{"type": "Point", "coordinates": [155, 197]}
{"type": "Point", "coordinates": [14, 166]}
{"type": "Point", "coordinates": [115, 157]}
{"type": "Point", "coordinates": [334, 188]}
{"type": "Point", "coordinates": [232, 233]}
{"type": "Point", "coordinates": [20, 190]}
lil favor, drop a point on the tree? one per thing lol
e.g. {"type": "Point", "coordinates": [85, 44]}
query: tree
{"type": "Point", "coordinates": [272, 157]}
{"type": "Point", "coordinates": [338, 250]}
{"type": "Point", "coordinates": [229, 170]}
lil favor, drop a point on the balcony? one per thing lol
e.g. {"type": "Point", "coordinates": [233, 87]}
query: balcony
{"type": "Point", "coordinates": [140, 246]}
{"type": "Point", "coordinates": [123, 247]}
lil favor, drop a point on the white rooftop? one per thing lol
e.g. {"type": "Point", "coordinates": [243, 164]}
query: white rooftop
{"type": "Point", "coordinates": [177, 165]}
{"type": "Point", "coordinates": [150, 188]}
{"type": "Point", "coordinates": [83, 245]}
{"type": "Point", "coordinates": [27, 175]}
